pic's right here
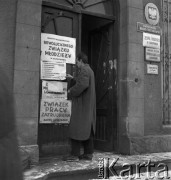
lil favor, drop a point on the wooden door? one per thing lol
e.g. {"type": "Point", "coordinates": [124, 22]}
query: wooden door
{"type": "Point", "coordinates": [53, 139]}
{"type": "Point", "coordinates": [102, 56]}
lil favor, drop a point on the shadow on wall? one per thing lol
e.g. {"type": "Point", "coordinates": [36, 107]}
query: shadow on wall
{"type": "Point", "coordinates": [10, 166]}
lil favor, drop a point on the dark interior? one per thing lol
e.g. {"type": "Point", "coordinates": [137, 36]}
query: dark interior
{"type": "Point", "coordinates": [89, 24]}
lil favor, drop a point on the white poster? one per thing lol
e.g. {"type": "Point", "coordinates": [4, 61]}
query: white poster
{"type": "Point", "coordinates": [53, 70]}
{"type": "Point", "coordinates": [55, 111]}
{"type": "Point", "coordinates": [58, 48]}
{"type": "Point", "coordinates": [152, 69]}
{"type": "Point", "coordinates": [54, 89]}
{"type": "Point", "coordinates": [151, 40]}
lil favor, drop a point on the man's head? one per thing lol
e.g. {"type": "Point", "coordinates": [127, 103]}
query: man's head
{"type": "Point", "coordinates": [81, 59]}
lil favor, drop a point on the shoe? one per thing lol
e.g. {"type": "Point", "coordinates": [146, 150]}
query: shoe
{"type": "Point", "coordinates": [86, 157]}
{"type": "Point", "coordinates": [71, 159]}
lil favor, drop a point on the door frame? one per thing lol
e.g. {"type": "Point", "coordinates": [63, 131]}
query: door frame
{"type": "Point", "coordinates": [50, 4]}
{"type": "Point", "coordinates": [115, 46]}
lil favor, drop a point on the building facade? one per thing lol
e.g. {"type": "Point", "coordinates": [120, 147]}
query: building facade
{"type": "Point", "coordinates": [133, 92]}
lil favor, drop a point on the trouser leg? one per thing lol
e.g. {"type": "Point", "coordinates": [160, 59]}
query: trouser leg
{"type": "Point", "coordinates": [75, 147]}
{"type": "Point", "coordinates": [88, 144]}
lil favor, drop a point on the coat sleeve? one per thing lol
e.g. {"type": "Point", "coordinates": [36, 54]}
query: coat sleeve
{"type": "Point", "coordinates": [82, 82]}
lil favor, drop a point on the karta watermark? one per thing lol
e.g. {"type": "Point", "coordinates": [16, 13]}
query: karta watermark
{"type": "Point", "coordinates": [107, 168]}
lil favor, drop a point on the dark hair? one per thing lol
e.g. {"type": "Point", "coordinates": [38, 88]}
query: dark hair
{"type": "Point", "coordinates": [82, 56]}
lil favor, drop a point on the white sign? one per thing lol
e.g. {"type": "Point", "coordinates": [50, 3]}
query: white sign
{"type": "Point", "coordinates": [151, 40]}
{"type": "Point", "coordinates": [54, 89]}
{"type": "Point", "coordinates": [152, 54]}
{"type": "Point", "coordinates": [55, 111]}
{"type": "Point", "coordinates": [53, 70]}
{"type": "Point", "coordinates": [58, 48]}
{"type": "Point", "coordinates": [152, 69]}
{"type": "Point", "coordinates": [152, 14]}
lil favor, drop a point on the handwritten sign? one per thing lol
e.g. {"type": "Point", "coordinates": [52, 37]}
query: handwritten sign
{"type": "Point", "coordinates": [54, 89]}
{"type": "Point", "coordinates": [58, 48]}
{"type": "Point", "coordinates": [53, 70]}
{"type": "Point", "coordinates": [55, 111]}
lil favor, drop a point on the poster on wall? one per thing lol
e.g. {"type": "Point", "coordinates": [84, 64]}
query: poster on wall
{"type": "Point", "coordinates": [54, 89]}
{"type": "Point", "coordinates": [58, 48]}
{"type": "Point", "coordinates": [53, 70]}
{"type": "Point", "coordinates": [55, 111]}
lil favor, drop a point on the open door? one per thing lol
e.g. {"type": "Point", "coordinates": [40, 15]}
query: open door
{"type": "Point", "coordinates": [94, 36]}
{"type": "Point", "coordinates": [102, 63]}
{"type": "Point", "coordinates": [99, 32]}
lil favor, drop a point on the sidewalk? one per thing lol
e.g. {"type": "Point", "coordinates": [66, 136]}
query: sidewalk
{"type": "Point", "coordinates": [54, 167]}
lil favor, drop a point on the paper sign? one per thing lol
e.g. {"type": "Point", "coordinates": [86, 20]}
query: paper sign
{"type": "Point", "coordinates": [152, 54]}
{"type": "Point", "coordinates": [152, 69]}
{"type": "Point", "coordinates": [54, 89]}
{"type": "Point", "coordinates": [53, 70]}
{"type": "Point", "coordinates": [58, 48]}
{"type": "Point", "coordinates": [151, 40]}
{"type": "Point", "coordinates": [55, 111]}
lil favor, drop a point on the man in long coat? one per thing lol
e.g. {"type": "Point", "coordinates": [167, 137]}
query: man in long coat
{"type": "Point", "coordinates": [83, 119]}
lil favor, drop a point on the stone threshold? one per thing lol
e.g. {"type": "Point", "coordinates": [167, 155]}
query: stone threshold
{"type": "Point", "coordinates": [55, 167]}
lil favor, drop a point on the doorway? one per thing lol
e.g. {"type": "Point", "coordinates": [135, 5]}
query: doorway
{"type": "Point", "coordinates": [94, 36]}
{"type": "Point", "coordinates": [97, 42]}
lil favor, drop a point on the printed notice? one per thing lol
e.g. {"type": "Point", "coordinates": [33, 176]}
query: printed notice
{"type": "Point", "coordinates": [152, 69]}
{"type": "Point", "coordinates": [151, 40]}
{"type": "Point", "coordinates": [53, 70]}
{"type": "Point", "coordinates": [54, 89]}
{"type": "Point", "coordinates": [58, 48]}
{"type": "Point", "coordinates": [152, 54]}
{"type": "Point", "coordinates": [55, 111]}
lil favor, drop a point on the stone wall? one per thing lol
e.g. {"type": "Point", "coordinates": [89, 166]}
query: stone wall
{"type": "Point", "coordinates": [131, 74]}
{"type": "Point", "coordinates": [140, 99]}
{"type": "Point", "coordinates": [26, 73]}
{"type": "Point", "coordinates": [152, 91]}
{"type": "Point", "coordinates": [7, 36]}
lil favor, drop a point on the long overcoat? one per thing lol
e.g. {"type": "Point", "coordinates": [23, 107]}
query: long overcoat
{"type": "Point", "coordinates": [83, 96]}
{"type": "Point", "coordinates": [10, 165]}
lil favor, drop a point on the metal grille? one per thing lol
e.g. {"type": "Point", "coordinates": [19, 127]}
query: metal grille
{"type": "Point", "coordinates": [166, 47]}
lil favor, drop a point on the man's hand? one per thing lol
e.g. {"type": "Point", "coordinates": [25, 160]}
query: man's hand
{"type": "Point", "coordinates": [69, 76]}
{"type": "Point", "coordinates": [68, 91]}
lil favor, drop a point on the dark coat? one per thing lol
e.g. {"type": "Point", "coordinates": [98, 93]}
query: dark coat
{"type": "Point", "coordinates": [10, 166]}
{"type": "Point", "coordinates": [83, 105]}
